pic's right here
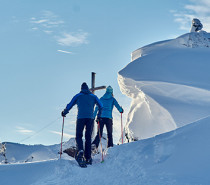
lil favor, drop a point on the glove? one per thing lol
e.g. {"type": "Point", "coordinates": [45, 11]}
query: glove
{"type": "Point", "coordinates": [122, 111]}
{"type": "Point", "coordinates": [63, 114]}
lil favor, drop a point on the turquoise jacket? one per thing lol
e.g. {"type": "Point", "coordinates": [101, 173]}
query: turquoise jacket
{"type": "Point", "coordinates": [108, 102]}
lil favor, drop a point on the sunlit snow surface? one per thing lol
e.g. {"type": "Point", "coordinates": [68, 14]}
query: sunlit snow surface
{"type": "Point", "coordinates": [179, 157]}
{"type": "Point", "coordinates": [169, 84]}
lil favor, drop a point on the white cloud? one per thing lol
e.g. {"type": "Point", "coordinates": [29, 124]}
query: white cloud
{"type": "Point", "coordinates": [23, 130]}
{"type": "Point", "coordinates": [47, 20]}
{"type": "Point", "coordinates": [35, 28]}
{"type": "Point", "coordinates": [67, 136]}
{"type": "Point", "coordinates": [40, 21]}
{"type": "Point", "coordinates": [199, 9]}
{"type": "Point", "coordinates": [72, 39]}
{"type": "Point", "coordinates": [184, 20]}
{"type": "Point", "coordinates": [195, 9]}
{"type": "Point", "coordinates": [48, 31]}
{"type": "Point", "coordinates": [52, 25]}
{"type": "Point", "coordinates": [62, 51]}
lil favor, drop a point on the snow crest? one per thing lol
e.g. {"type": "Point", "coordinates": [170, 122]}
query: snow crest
{"type": "Point", "coordinates": [169, 84]}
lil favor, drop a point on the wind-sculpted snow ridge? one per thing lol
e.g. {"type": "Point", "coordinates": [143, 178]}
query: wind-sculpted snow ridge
{"type": "Point", "coordinates": [169, 83]}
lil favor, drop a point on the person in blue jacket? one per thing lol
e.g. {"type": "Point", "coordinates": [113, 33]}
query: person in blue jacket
{"type": "Point", "coordinates": [85, 102]}
{"type": "Point", "coordinates": [105, 118]}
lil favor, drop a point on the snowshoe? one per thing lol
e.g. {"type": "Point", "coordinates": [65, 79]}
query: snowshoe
{"type": "Point", "coordinates": [80, 159]}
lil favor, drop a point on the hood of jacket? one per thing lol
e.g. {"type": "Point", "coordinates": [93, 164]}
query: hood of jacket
{"type": "Point", "coordinates": [107, 95]}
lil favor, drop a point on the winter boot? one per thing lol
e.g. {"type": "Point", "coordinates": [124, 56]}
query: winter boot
{"type": "Point", "coordinates": [80, 159]}
{"type": "Point", "coordinates": [89, 161]}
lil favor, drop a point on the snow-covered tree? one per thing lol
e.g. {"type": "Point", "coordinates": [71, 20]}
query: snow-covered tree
{"type": "Point", "coordinates": [196, 25]}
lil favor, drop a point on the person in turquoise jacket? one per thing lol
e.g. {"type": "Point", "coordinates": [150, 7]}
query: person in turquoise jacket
{"type": "Point", "coordinates": [106, 118]}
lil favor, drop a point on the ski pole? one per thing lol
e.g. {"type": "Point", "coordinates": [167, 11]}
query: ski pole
{"type": "Point", "coordinates": [102, 157]}
{"type": "Point", "coordinates": [121, 128]}
{"type": "Point", "coordinates": [62, 138]}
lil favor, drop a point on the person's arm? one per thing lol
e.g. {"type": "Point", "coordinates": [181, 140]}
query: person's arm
{"type": "Point", "coordinates": [100, 107]}
{"type": "Point", "coordinates": [70, 105]}
{"type": "Point", "coordinates": [119, 108]}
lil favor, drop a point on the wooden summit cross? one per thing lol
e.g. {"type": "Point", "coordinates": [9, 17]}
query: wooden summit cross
{"type": "Point", "coordinates": [93, 89]}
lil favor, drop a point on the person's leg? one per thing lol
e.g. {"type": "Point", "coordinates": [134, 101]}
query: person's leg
{"type": "Point", "coordinates": [97, 139]}
{"type": "Point", "coordinates": [79, 133]}
{"type": "Point", "coordinates": [88, 132]}
{"type": "Point", "coordinates": [109, 127]}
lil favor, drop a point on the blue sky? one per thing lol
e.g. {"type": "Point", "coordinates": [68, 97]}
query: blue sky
{"type": "Point", "coordinates": [49, 47]}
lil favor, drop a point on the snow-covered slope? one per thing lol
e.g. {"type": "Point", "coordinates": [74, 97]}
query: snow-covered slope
{"type": "Point", "coordinates": [20, 153]}
{"type": "Point", "coordinates": [169, 83]}
{"type": "Point", "coordinates": [179, 157]}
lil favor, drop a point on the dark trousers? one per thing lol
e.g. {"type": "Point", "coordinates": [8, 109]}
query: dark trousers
{"type": "Point", "coordinates": [86, 123]}
{"type": "Point", "coordinates": [109, 124]}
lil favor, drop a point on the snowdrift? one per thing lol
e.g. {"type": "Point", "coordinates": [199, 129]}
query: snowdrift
{"type": "Point", "coordinates": [169, 83]}
{"type": "Point", "coordinates": [19, 153]}
{"type": "Point", "coordinates": [179, 157]}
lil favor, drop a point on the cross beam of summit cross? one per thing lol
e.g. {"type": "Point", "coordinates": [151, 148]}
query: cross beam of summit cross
{"type": "Point", "coordinates": [93, 88]}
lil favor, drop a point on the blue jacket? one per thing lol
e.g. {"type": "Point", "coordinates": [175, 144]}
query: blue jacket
{"type": "Point", "coordinates": [108, 102]}
{"type": "Point", "coordinates": [85, 101]}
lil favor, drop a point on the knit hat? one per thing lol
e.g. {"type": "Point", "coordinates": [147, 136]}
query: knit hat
{"type": "Point", "coordinates": [84, 86]}
{"type": "Point", "coordinates": [109, 89]}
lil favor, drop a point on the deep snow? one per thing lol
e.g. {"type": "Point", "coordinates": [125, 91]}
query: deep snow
{"type": "Point", "coordinates": [178, 157]}
{"type": "Point", "coordinates": [169, 84]}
